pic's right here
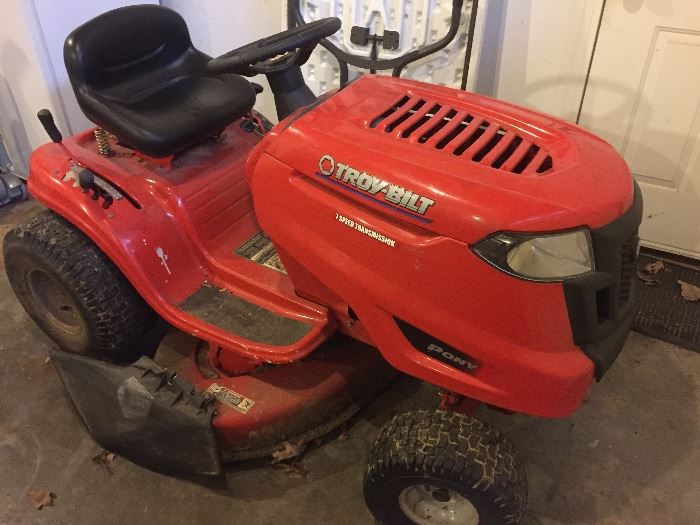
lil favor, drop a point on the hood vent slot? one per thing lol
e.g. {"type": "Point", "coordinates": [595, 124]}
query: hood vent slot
{"type": "Point", "coordinates": [462, 134]}
{"type": "Point", "coordinates": [393, 109]}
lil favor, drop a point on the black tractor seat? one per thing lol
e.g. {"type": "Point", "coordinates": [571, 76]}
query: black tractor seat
{"type": "Point", "coordinates": [137, 75]}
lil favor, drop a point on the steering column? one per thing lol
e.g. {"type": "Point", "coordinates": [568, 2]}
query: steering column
{"type": "Point", "coordinates": [280, 58]}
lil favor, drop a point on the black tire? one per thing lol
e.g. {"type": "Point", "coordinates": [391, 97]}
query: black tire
{"type": "Point", "coordinates": [448, 457]}
{"type": "Point", "coordinates": [73, 292]}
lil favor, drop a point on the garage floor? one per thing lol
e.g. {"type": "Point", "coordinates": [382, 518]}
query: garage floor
{"type": "Point", "coordinates": [631, 455]}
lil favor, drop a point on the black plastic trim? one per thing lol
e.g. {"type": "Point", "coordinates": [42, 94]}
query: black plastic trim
{"type": "Point", "coordinates": [601, 329]}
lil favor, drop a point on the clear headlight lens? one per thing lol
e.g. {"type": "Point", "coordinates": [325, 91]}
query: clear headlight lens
{"type": "Point", "coordinates": [540, 258]}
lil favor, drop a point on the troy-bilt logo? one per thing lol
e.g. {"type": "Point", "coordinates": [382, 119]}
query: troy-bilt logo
{"type": "Point", "coordinates": [360, 181]}
{"type": "Point", "coordinates": [452, 358]}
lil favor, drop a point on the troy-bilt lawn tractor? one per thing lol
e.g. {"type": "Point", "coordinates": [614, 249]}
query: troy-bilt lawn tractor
{"type": "Point", "coordinates": [473, 244]}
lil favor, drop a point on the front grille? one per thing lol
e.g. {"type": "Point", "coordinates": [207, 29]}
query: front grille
{"type": "Point", "coordinates": [627, 267]}
{"type": "Point", "coordinates": [464, 134]}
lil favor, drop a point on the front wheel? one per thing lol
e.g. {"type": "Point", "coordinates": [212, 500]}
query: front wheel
{"type": "Point", "coordinates": [435, 468]}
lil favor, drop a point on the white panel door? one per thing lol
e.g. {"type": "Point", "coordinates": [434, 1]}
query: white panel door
{"type": "Point", "coordinates": [419, 23]}
{"type": "Point", "coordinates": [643, 96]}
{"type": "Point", "coordinates": [536, 53]}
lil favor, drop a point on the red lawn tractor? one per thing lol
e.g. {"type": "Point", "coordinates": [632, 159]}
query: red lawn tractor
{"type": "Point", "coordinates": [388, 225]}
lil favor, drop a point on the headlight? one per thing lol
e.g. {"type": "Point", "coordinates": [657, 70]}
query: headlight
{"type": "Point", "coordinates": [541, 257]}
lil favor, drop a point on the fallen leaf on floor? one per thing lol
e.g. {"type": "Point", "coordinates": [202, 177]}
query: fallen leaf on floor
{"type": "Point", "coordinates": [689, 292]}
{"type": "Point", "coordinates": [648, 281]}
{"type": "Point", "coordinates": [47, 360]}
{"type": "Point", "coordinates": [104, 458]}
{"type": "Point", "coordinates": [654, 267]}
{"type": "Point", "coordinates": [343, 436]}
{"type": "Point", "coordinates": [40, 498]}
{"type": "Point", "coordinates": [288, 450]}
{"type": "Point", "coordinates": [296, 470]}
{"type": "Point", "coordinates": [594, 443]}
{"type": "Point", "coordinates": [293, 469]}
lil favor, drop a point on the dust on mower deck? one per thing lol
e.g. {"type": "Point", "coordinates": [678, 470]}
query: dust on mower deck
{"type": "Point", "coordinates": [630, 455]}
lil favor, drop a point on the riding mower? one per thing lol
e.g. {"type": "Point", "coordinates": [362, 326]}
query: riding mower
{"type": "Point", "coordinates": [389, 225]}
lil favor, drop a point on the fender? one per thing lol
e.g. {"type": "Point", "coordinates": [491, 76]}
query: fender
{"type": "Point", "coordinates": [144, 242]}
{"type": "Point", "coordinates": [148, 236]}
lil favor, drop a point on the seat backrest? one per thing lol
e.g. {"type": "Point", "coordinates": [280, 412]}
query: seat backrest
{"type": "Point", "coordinates": [142, 42]}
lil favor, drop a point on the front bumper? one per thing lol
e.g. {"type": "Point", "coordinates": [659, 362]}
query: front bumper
{"type": "Point", "coordinates": [601, 303]}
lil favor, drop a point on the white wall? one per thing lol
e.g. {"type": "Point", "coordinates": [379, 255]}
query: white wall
{"type": "Point", "coordinates": [32, 74]}
{"type": "Point", "coordinates": [26, 83]}
{"type": "Point", "coordinates": [58, 18]}
{"type": "Point", "coordinates": [536, 52]}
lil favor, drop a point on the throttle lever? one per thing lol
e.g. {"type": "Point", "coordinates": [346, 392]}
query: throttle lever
{"type": "Point", "coordinates": [86, 180]}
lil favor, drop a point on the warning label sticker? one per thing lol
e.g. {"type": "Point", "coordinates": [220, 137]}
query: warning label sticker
{"type": "Point", "coordinates": [260, 249]}
{"type": "Point", "coordinates": [230, 398]}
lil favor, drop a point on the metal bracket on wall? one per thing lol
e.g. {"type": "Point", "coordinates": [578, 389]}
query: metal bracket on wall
{"type": "Point", "coordinates": [397, 64]}
{"type": "Point", "coordinates": [12, 187]}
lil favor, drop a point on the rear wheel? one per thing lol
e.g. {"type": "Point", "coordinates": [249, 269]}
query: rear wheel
{"type": "Point", "coordinates": [73, 292]}
{"type": "Point", "coordinates": [439, 468]}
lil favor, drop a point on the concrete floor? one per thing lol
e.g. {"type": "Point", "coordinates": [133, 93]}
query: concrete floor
{"type": "Point", "coordinates": [631, 455]}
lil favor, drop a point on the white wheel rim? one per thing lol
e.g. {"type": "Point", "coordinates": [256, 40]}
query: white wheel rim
{"type": "Point", "coordinates": [426, 504]}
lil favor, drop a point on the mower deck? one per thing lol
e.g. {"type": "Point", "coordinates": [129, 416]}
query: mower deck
{"type": "Point", "coordinates": [256, 412]}
{"type": "Point", "coordinates": [161, 405]}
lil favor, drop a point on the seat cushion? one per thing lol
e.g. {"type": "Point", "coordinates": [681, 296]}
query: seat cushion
{"type": "Point", "coordinates": [172, 115]}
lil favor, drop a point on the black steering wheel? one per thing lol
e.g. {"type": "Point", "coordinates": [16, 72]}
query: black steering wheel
{"type": "Point", "coordinates": [274, 53]}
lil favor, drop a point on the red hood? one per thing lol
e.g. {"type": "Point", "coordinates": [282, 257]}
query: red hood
{"type": "Point", "coordinates": [485, 165]}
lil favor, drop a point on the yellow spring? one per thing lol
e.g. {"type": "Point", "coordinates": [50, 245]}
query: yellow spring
{"type": "Point", "coordinates": [103, 146]}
